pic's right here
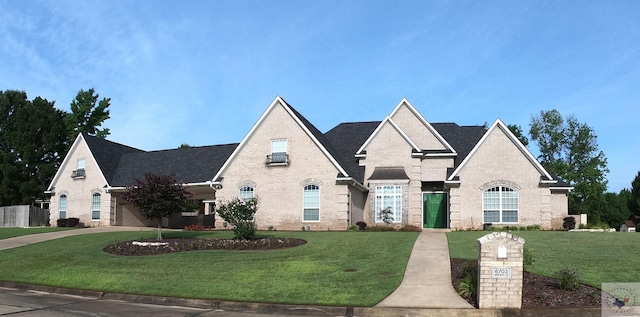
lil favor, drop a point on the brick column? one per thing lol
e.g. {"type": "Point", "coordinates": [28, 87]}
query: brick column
{"type": "Point", "coordinates": [500, 270]}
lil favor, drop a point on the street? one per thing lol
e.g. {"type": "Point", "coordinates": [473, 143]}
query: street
{"type": "Point", "coordinates": [26, 303]}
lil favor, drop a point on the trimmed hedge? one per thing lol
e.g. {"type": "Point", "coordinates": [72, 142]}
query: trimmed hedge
{"type": "Point", "coordinates": [68, 222]}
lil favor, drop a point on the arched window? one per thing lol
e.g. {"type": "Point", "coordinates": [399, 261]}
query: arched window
{"type": "Point", "coordinates": [246, 192]}
{"type": "Point", "coordinates": [311, 203]}
{"type": "Point", "coordinates": [500, 205]}
{"type": "Point", "coordinates": [62, 207]}
{"type": "Point", "coordinates": [95, 207]}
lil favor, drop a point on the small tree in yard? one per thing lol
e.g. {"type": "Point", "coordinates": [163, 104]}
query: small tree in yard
{"type": "Point", "coordinates": [158, 196]}
{"type": "Point", "coordinates": [240, 213]}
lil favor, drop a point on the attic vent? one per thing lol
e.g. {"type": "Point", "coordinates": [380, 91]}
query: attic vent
{"type": "Point", "coordinates": [79, 173]}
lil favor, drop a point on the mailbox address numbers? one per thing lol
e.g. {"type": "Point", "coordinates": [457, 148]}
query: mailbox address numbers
{"type": "Point", "coordinates": [501, 272]}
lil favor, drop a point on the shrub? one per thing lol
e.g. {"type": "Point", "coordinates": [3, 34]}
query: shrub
{"type": "Point", "coordinates": [68, 222]}
{"type": "Point", "coordinates": [410, 228]}
{"type": "Point", "coordinates": [240, 213]}
{"type": "Point", "coordinates": [528, 257]}
{"type": "Point", "coordinates": [569, 223]}
{"type": "Point", "coordinates": [381, 228]}
{"type": "Point", "coordinates": [468, 285]}
{"type": "Point", "coordinates": [197, 228]}
{"type": "Point", "coordinates": [361, 225]}
{"type": "Point", "coordinates": [353, 228]}
{"type": "Point", "coordinates": [568, 279]}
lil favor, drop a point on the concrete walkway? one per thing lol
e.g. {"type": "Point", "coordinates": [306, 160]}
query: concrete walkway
{"type": "Point", "coordinates": [40, 237]}
{"type": "Point", "coordinates": [427, 279]}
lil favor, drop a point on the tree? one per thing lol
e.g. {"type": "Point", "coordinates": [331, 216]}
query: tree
{"type": "Point", "coordinates": [517, 131]}
{"type": "Point", "coordinates": [615, 209]}
{"type": "Point", "coordinates": [31, 137]}
{"type": "Point", "coordinates": [569, 149]}
{"type": "Point", "coordinates": [634, 196]}
{"type": "Point", "coordinates": [240, 213]}
{"type": "Point", "coordinates": [158, 196]}
{"type": "Point", "coordinates": [86, 116]}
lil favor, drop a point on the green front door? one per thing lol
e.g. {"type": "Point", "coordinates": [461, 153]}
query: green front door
{"type": "Point", "coordinates": [434, 210]}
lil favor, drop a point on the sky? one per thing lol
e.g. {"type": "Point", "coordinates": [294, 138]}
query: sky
{"type": "Point", "coordinates": [203, 72]}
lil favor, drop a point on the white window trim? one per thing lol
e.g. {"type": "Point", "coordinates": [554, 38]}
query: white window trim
{"type": "Point", "coordinates": [379, 188]}
{"type": "Point", "coordinates": [500, 208]}
{"type": "Point", "coordinates": [252, 191]}
{"type": "Point", "coordinates": [99, 208]}
{"type": "Point", "coordinates": [60, 210]}
{"type": "Point", "coordinates": [319, 203]}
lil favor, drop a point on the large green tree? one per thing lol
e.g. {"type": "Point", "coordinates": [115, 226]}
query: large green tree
{"type": "Point", "coordinates": [569, 149]}
{"type": "Point", "coordinates": [35, 136]}
{"type": "Point", "coordinates": [32, 135]}
{"type": "Point", "coordinates": [87, 114]}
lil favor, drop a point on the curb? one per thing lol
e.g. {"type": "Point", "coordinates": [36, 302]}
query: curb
{"type": "Point", "coordinates": [310, 310]}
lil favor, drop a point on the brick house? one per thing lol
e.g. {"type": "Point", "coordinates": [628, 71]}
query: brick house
{"type": "Point", "coordinates": [431, 175]}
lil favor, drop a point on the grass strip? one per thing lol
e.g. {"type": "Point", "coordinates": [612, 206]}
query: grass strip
{"type": "Point", "coordinates": [6, 233]}
{"type": "Point", "coordinates": [600, 257]}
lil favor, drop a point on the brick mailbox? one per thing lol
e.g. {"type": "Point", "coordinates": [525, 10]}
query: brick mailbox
{"type": "Point", "coordinates": [500, 270]}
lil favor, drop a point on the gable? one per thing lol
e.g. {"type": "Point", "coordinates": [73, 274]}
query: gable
{"type": "Point", "coordinates": [500, 149]}
{"type": "Point", "coordinates": [78, 150]}
{"type": "Point", "coordinates": [389, 146]}
{"type": "Point", "coordinates": [288, 120]}
{"type": "Point", "coordinates": [418, 129]}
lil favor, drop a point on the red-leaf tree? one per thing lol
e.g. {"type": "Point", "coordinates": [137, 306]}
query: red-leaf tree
{"type": "Point", "coordinates": [158, 196]}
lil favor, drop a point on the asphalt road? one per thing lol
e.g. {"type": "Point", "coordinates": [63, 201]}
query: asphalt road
{"type": "Point", "coordinates": [23, 303]}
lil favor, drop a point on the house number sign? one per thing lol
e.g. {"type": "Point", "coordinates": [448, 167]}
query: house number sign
{"type": "Point", "coordinates": [501, 272]}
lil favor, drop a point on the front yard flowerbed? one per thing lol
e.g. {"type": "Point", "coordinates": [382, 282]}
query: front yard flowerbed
{"type": "Point", "coordinates": [151, 247]}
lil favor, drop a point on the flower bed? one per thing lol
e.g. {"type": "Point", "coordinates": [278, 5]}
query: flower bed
{"type": "Point", "coordinates": [151, 247]}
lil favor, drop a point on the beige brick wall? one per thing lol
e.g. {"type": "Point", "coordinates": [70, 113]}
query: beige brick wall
{"type": "Point", "coordinates": [499, 162]}
{"type": "Point", "coordinates": [79, 191]}
{"type": "Point", "coordinates": [389, 149]}
{"type": "Point", "coordinates": [280, 188]}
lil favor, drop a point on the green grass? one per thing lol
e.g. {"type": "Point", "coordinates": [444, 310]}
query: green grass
{"type": "Point", "coordinates": [6, 233]}
{"type": "Point", "coordinates": [333, 268]}
{"type": "Point", "coordinates": [599, 257]}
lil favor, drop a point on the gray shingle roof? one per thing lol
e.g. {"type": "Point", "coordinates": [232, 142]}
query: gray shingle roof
{"type": "Point", "coordinates": [189, 165]}
{"type": "Point", "coordinates": [461, 138]}
{"type": "Point", "coordinates": [107, 154]}
{"type": "Point", "coordinates": [347, 138]}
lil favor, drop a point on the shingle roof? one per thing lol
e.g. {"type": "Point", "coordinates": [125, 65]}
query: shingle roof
{"type": "Point", "coordinates": [324, 141]}
{"type": "Point", "coordinates": [107, 154]}
{"type": "Point", "coordinates": [461, 138]}
{"type": "Point", "coordinates": [347, 138]}
{"type": "Point", "coordinates": [190, 165]}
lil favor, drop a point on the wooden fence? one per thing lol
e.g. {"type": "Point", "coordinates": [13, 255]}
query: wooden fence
{"type": "Point", "coordinates": [23, 216]}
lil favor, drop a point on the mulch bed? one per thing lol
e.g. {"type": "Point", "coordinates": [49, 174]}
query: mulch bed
{"type": "Point", "coordinates": [152, 247]}
{"type": "Point", "coordinates": [540, 291]}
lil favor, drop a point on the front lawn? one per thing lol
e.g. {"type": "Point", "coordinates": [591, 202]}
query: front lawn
{"type": "Point", "coordinates": [600, 257]}
{"type": "Point", "coordinates": [6, 233]}
{"type": "Point", "coordinates": [333, 268]}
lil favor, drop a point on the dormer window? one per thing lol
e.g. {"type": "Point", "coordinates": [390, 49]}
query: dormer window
{"type": "Point", "coordinates": [80, 171]}
{"type": "Point", "coordinates": [278, 154]}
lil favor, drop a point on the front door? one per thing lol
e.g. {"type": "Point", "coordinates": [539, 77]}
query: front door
{"type": "Point", "coordinates": [434, 210]}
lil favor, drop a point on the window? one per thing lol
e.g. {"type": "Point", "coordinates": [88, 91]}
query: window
{"type": "Point", "coordinates": [80, 171]}
{"type": "Point", "coordinates": [62, 207]}
{"type": "Point", "coordinates": [246, 192]}
{"type": "Point", "coordinates": [500, 205]}
{"type": "Point", "coordinates": [311, 203]}
{"type": "Point", "coordinates": [389, 196]}
{"type": "Point", "coordinates": [278, 151]}
{"type": "Point", "coordinates": [95, 207]}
